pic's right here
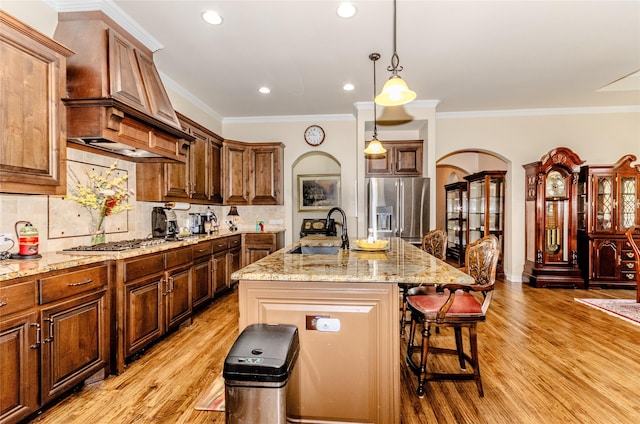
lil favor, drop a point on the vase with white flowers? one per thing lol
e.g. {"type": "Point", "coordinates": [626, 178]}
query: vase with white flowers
{"type": "Point", "coordinates": [103, 195]}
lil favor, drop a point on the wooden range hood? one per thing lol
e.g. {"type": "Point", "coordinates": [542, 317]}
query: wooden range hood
{"type": "Point", "coordinates": [116, 101]}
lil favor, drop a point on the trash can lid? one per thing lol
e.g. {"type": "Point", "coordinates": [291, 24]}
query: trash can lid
{"type": "Point", "coordinates": [263, 353]}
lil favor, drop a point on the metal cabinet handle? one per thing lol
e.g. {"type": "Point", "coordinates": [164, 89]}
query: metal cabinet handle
{"type": "Point", "coordinates": [81, 283]}
{"type": "Point", "coordinates": [171, 286]}
{"type": "Point", "coordinates": [631, 276]}
{"type": "Point", "coordinates": [50, 338]}
{"type": "Point", "coordinates": [36, 345]}
{"type": "Point", "coordinates": [165, 283]}
{"type": "Point", "coordinates": [630, 265]}
{"type": "Point", "coordinates": [2, 303]}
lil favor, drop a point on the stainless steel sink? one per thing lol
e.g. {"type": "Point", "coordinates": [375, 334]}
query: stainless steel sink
{"type": "Point", "coordinates": [315, 250]}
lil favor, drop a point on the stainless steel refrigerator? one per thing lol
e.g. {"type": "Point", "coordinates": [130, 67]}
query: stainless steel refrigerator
{"type": "Point", "coordinates": [398, 207]}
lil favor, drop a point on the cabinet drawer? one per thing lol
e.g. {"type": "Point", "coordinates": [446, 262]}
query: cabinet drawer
{"type": "Point", "coordinates": [235, 241]}
{"type": "Point", "coordinates": [201, 250]}
{"type": "Point", "coordinates": [72, 283]}
{"type": "Point", "coordinates": [628, 266]}
{"type": "Point", "coordinates": [180, 256]}
{"type": "Point", "coordinates": [143, 266]}
{"type": "Point", "coordinates": [220, 244]}
{"type": "Point", "coordinates": [259, 239]}
{"type": "Point", "coordinates": [17, 297]}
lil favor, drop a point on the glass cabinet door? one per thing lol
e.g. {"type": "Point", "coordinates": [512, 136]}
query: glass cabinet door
{"type": "Point", "coordinates": [628, 200]}
{"type": "Point", "coordinates": [604, 203]}
{"type": "Point", "coordinates": [476, 210]}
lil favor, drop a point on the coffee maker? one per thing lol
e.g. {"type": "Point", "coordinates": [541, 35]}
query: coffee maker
{"type": "Point", "coordinates": [164, 223]}
{"type": "Point", "coordinates": [196, 223]}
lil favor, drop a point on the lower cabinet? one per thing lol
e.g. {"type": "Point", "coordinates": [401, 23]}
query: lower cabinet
{"type": "Point", "coordinates": [607, 262]}
{"type": "Point", "coordinates": [19, 371]}
{"type": "Point", "coordinates": [54, 334]}
{"type": "Point", "coordinates": [256, 246]}
{"type": "Point", "coordinates": [201, 286]}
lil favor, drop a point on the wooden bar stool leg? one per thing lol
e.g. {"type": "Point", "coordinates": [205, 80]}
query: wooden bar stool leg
{"type": "Point", "coordinates": [473, 341]}
{"type": "Point", "coordinates": [426, 333]}
{"type": "Point", "coordinates": [460, 348]}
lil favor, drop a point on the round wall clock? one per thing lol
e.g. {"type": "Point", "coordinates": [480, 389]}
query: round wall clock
{"type": "Point", "coordinates": [314, 135]}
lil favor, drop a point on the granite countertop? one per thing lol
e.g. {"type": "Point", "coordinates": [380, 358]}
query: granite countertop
{"type": "Point", "coordinates": [402, 263]}
{"type": "Point", "coordinates": [54, 261]}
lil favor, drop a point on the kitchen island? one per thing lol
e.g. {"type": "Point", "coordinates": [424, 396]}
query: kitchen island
{"type": "Point", "coordinates": [351, 373]}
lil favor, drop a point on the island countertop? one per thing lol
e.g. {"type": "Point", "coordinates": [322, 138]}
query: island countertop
{"type": "Point", "coordinates": [402, 263]}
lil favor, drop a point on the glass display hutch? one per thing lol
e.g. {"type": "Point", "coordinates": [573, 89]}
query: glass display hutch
{"type": "Point", "coordinates": [551, 220]}
{"type": "Point", "coordinates": [486, 208]}
{"type": "Point", "coordinates": [609, 206]}
{"type": "Point", "coordinates": [456, 210]}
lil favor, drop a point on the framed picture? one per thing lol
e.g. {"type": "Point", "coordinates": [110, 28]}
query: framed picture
{"type": "Point", "coordinates": [318, 192]}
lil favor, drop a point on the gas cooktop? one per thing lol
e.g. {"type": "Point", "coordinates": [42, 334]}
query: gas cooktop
{"type": "Point", "coordinates": [117, 246]}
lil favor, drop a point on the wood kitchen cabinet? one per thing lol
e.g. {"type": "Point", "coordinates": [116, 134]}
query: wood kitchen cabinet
{"type": "Point", "coordinates": [54, 335]}
{"type": "Point", "coordinates": [403, 158]}
{"type": "Point", "coordinates": [33, 134]}
{"type": "Point", "coordinates": [198, 179]}
{"type": "Point", "coordinates": [608, 203]}
{"type": "Point", "coordinates": [154, 296]}
{"type": "Point", "coordinates": [252, 173]}
{"type": "Point", "coordinates": [256, 246]}
{"type": "Point", "coordinates": [202, 286]}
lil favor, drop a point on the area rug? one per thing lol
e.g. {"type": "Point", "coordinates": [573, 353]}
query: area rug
{"type": "Point", "coordinates": [213, 398]}
{"type": "Point", "coordinates": [627, 309]}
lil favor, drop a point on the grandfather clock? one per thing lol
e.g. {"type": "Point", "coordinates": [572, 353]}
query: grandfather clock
{"type": "Point", "coordinates": [551, 228]}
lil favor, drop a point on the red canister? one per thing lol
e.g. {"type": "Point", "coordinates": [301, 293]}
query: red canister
{"type": "Point", "coordinates": [27, 239]}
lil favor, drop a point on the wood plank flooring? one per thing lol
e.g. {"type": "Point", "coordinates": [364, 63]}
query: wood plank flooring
{"type": "Point", "coordinates": [544, 359]}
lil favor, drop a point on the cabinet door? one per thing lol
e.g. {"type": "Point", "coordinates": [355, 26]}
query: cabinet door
{"type": "Point", "coordinates": [628, 203]}
{"type": "Point", "coordinates": [19, 380]}
{"type": "Point", "coordinates": [605, 257]}
{"type": "Point", "coordinates": [235, 261]}
{"type": "Point", "coordinates": [408, 159]}
{"type": "Point", "coordinates": [215, 172]}
{"type": "Point", "coordinates": [176, 180]}
{"type": "Point", "coordinates": [143, 309]}
{"type": "Point", "coordinates": [198, 162]}
{"type": "Point", "coordinates": [178, 297]}
{"type": "Point", "coordinates": [220, 272]}
{"type": "Point", "coordinates": [33, 118]}
{"type": "Point", "coordinates": [604, 204]}
{"type": "Point", "coordinates": [75, 343]}
{"type": "Point", "coordinates": [236, 173]}
{"type": "Point", "coordinates": [201, 288]}
{"type": "Point", "coordinates": [265, 171]}
{"type": "Point", "coordinates": [379, 165]}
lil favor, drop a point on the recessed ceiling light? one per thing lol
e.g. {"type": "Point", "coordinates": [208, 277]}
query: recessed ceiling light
{"type": "Point", "coordinates": [346, 9]}
{"type": "Point", "coordinates": [348, 87]}
{"type": "Point", "coordinates": [264, 90]}
{"type": "Point", "coordinates": [212, 17]}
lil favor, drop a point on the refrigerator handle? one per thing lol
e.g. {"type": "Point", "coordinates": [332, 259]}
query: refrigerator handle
{"type": "Point", "coordinates": [401, 209]}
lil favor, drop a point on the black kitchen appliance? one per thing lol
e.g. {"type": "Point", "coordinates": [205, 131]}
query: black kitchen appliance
{"type": "Point", "coordinates": [317, 226]}
{"type": "Point", "coordinates": [164, 223]}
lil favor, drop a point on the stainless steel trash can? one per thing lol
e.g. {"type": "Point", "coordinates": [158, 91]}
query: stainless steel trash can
{"type": "Point", "coordinates": [256, 372]}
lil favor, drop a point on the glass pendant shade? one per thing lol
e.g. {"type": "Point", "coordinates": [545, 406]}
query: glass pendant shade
{"type": "Point", "coordinates": [375, 148]}
{"type": "Point", "coordinates": [395, 92]}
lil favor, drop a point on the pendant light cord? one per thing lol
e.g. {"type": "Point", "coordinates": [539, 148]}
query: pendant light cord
{"type": "Point", "coordinates": [395, 60]}
{"type": "Point", "coordinates": [374, 57]}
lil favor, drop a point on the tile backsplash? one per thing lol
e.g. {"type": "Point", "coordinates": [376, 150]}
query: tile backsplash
{"type": "Point", "coordinates": [63, 223]}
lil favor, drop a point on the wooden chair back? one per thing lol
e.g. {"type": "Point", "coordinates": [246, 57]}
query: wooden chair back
{"type": "Point", "coordinates": [435, 243]}
{"type": "Point", "coordinates": [481, 262]}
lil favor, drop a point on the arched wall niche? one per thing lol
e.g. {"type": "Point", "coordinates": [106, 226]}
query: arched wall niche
{"type": "Point", "coordinates": [311, 163]}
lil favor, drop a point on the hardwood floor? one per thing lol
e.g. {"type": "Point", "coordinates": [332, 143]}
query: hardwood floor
{"type": "Point", "coordinates": [544, 359]}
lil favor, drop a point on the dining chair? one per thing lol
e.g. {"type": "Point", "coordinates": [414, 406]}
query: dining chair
{"type": "Point", "coordinates": [636, 255]}
{"type": "Point", "coordinates": [457, 306]}
{"type": "Point", "coordinates": [434, 243]}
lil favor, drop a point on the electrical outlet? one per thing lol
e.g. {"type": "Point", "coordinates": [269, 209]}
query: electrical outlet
{"type": "Point", "coordinates": [4, 237]}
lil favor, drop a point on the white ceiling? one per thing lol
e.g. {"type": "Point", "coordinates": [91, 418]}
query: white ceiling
{"type": "Point", "coordinates": [469, 55]}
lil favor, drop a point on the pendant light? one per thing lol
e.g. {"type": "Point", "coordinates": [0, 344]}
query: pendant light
{"type": "Point", "coordinates": [395, 91]}
{"type": "Point", "coordinates": [374, 147]}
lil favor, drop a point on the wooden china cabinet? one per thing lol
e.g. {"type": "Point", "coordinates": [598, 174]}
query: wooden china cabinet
{"type": "Point", "coordinates": [608, 205]}
{"type": "Point", "coordinates": [456, 213]}
{"type": "Point", "coordinates": [485, 214]}
{"type": "Point", "coordinates": [551, 253]}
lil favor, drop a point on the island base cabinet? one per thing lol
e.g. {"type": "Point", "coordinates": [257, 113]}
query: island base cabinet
{"type": "Point", "coordinates": [348, 376]}
{"type": "Point", "coordinates": [18, 367]}
{"type": "Point", "coordinates": [73, 343]}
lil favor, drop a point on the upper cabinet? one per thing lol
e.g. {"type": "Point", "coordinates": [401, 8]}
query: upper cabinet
{"type": "Point", "coordinates": [116, 101]}
{"type": "Point", "coordinates": [551, 228]}
{"type": "Point", "coordinates": [403, 158]}
{"type": "Point", "coordinates": [33, 120]}
{"type": "Point", "coordinates": [198, 180]}
{"type": "Point", "coordinates": [252, 173]}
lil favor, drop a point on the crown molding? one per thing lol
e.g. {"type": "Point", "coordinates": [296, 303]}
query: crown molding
{"type": "Point", "coordinates": [287, 118]}
{"type": "Point", "coordinates": [538, 112]}
{"type": "Point", "coordinates": [111, 10]}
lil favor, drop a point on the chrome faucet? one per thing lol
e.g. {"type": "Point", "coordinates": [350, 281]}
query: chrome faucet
{"type": "Point", "coordinates": [345, 236]}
